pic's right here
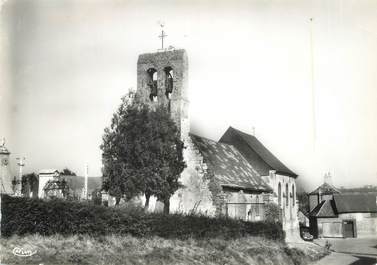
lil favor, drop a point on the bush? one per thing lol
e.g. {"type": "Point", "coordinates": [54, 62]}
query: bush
{"type": "Point", "coordinates": [22, 216]}
{"type": "Point", "coordinates": [272, 212]}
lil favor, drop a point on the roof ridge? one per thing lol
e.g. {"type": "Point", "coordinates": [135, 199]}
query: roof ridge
{"type": "Point", "coordinates": [217, 142]}
{"type": "Point", "coordinates": [243, 135]}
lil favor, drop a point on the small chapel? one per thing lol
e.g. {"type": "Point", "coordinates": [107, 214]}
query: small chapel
{"type": "Point", "coordinates": [236, 176]}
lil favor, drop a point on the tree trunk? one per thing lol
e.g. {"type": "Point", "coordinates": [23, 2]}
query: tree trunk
{"type": "Point", "coordinates": [166, 206]}
{"type": "Point", "coordinates": [146, 206]}
{"type": "Point", "coordinates": [117, 200]}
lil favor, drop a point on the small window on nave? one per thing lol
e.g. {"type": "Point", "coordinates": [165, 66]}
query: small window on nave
{"type": "Point", "coordinates": [152, 83]}
{"type": "Point", "coordinates": [169, 75]}
{"type": "Point", "coordinates": [279, 194]}
{"type": "Point", "coordinates": [287, 194]}
{"type": "Point", "coordinates": [293, 195]}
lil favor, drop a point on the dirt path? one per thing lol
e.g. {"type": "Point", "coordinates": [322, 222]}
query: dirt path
{"type": "Point", "coordinates": [350, 252]}
{"type": "Point", "coordinates": [346, 259]}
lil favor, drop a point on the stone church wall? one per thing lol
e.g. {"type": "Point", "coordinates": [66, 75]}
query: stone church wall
{"type": "Point", "coordinates": [196, 195]}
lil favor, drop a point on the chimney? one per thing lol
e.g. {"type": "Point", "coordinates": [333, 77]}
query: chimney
{"type": "Point", "coordinates": [253, 131]}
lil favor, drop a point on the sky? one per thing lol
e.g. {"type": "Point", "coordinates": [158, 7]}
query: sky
{"type": "Point", "coordinates": [65, 65]}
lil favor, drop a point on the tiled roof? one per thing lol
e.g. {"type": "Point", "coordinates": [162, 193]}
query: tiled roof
{"type": "Point", "coordinates": [325, 188]}
{"type": "Point", "coordinates": [316, 209]}
{"type": "Point", "coordinates": [230, 168]}
{"type": "Point", "coordinates": [325, 209]}
{"type": "Point", "coordinates": [355, 203]}
{"type": "Point", "coordinates": [48, 171]}
{"type": "Point", "coordinates": [256, 153]}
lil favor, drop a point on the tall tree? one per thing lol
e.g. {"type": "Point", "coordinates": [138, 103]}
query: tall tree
{"type": "Point", "coordinates": [29, 183]}
{"type": "Point", "coordinates": [67, 172]}
{"type": "Point", "coordinates": [142, 152]}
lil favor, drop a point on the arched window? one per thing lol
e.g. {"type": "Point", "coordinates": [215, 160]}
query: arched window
{"type": "Point", "coordinates": [152, 83]}
{"type": "Point", "coordinates": [257, 206]}
{"type": "Point", "coordinates": [286, 194]}
{"type": "Point", "coordinates": [279, 194]}
{"type": "Point", "coordinates": [293, 195]}
{"type": "Point", "coordinates": [169, 75]}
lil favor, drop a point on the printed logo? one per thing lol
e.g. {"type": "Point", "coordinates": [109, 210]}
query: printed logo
{"type": "Point", "coordinates": [23, 252]}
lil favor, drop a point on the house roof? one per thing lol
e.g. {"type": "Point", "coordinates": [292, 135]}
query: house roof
{"type": "Point", "coordinates": [304, 212]}
{"type": "Point", "coordinates": [326, 208]}
{"type": "Point", "coordinates": [325, 188]}
{"type": "Point", "coordinates": [257, 154]}
{"type": "Point", "coordinates": [355, 203]}
{"type": "Point", "coordinates": [48, 171]}
{"type": "Point", "coordinates": [230, 168]}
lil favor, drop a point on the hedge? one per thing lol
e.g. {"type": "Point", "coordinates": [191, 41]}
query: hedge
{"type": "Point", "coordinates": [30, 216]}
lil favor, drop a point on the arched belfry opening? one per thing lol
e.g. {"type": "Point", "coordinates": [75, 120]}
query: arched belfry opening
{"type": "Point", "coordinates": [152, 83]}
{"type": "Point", "coordinates": [162, 79]}
{"type": "Point", "coordinates": [169, 77]}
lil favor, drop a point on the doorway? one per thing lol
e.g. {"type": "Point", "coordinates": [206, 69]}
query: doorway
{"type": "Point", "coordinates": [348, 228]}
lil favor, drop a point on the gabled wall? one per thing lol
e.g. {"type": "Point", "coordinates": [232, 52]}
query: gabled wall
{"type": "Point", "coordinates": [288, 207]}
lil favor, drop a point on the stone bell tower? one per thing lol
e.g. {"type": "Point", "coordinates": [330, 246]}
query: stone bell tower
{"type": "Point", "coordinates": [162, 79]}
{"type": "Point", "coordinates": [6, 186]}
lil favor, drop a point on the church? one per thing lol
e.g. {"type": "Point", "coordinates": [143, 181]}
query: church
{"type": "Point", "coordinates": [236, 176]}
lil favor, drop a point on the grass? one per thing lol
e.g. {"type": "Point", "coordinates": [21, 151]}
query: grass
{"type": "Point", "coordinates": [114, 250]}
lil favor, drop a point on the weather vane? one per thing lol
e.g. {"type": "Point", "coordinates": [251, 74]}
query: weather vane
{"type": "Point", "coordinates": [163, 35]}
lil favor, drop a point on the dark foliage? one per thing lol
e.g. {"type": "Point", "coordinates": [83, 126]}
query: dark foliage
{"type": "Point", "coordinates": [29, 216]}
{"type": "Point", "coordinates": [67, 172]}
{"type": "Point", "coordinates": [96, 197]}
{"type": "Point", "coordinates": [29, 184]}
{"type": "Point", "coordinates": [303, 202]}
{"type": "Point", "coordinates": [298, 257]}
{"type": "Point", "coordinates": [142, 152]}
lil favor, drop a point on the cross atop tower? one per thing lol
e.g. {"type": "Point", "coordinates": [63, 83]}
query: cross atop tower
{"type": "Point", "coordinates": [162, 36]}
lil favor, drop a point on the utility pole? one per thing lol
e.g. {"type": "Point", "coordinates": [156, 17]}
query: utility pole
{"type": "Point", "coordinates": [21, 164]}
{"type": "Point", "coordinates": [314, 120]}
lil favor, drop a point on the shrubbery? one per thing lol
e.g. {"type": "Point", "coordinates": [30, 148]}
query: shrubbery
{"type": "Point", "coordinates": [29, 216]}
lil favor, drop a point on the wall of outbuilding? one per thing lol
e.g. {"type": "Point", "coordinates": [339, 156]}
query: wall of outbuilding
{"type": "Point", "coordinates": [365, 225]}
